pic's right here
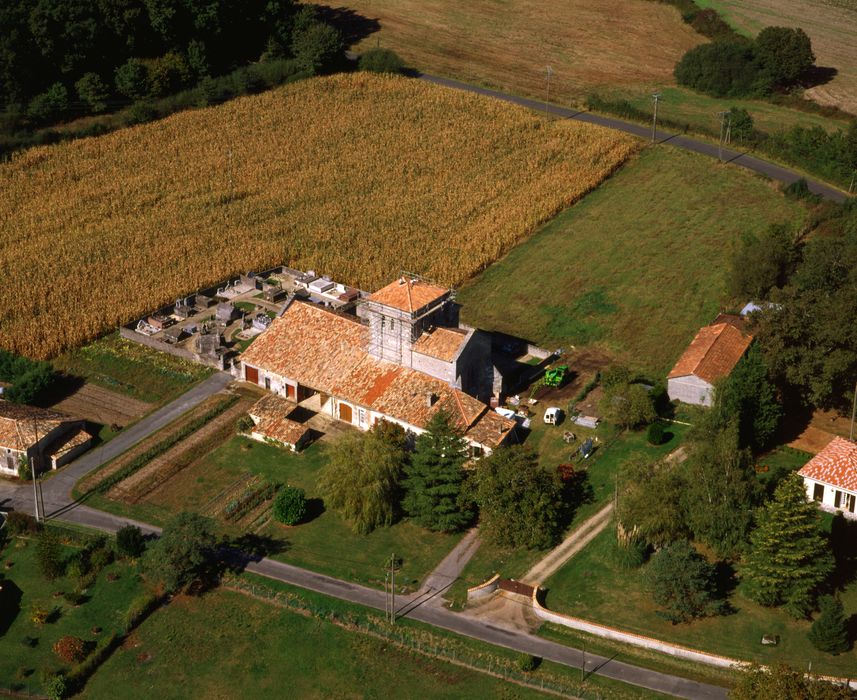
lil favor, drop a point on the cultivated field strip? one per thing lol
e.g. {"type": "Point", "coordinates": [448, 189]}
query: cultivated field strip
{"type": "Point", "coordinates": [357, 176]}
{"type": "Point", "coordinates": [161, 469]}
{"type": "Point", "coordinates": [93, 480]}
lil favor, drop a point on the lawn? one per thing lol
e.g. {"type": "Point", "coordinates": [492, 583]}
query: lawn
{"type": "Point", "coordinates": [21, 664]}
{"type": "Point", "coordinates": [699, 111]}
{"type": "Point", "coordinates": [132, 369]}
{"type": "Point", "coordinates": [593, 586]}
{"type": "Point", "coordinates": [637, 266]}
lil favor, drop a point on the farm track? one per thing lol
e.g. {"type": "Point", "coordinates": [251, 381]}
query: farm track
{"type": "Point", "coordinates": [145, 482]}
{"type": "Point", "coordinates": [94, 479]}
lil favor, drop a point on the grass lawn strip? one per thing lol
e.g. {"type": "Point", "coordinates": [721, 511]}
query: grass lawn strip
{"type": "Point", "coordinates": [200, 644]}
{"type": "Point", "coordinates": [594, 587]}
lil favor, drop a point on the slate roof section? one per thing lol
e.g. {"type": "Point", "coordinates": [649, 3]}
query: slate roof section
{"type": "Point", "coordinates": [835, 465]}
{"type": "Point", "coordinates": [441, 343]}
{"type": "Point", "coordinates": [713, 353]}
{"type": "Point", "coordinates": [19, 424]}
{"type": "Point", "coordinates": [325, 351]}
{"type": "Point", "coordinates": [408, 294]}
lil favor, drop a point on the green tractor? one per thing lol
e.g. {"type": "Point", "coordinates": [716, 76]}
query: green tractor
{"type": "Point", "coordinates": [555, 376]}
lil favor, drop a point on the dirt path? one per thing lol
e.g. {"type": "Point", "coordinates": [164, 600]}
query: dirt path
{"type": "Point", "coordinates": [577, 540]}
{"type": "Point", "coordinates": [447, 572]}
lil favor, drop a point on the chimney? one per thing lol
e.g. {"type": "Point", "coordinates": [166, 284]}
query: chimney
{"type": "Point", "coordinates": [431, 398]}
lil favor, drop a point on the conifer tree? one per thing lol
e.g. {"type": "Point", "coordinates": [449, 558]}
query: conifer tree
{"type": "Point", "coordinates": [789, 557]}
{"type": "Point", "coordinates": [830, 631]}
{"type": "Point", "coordinates": [435, 477]}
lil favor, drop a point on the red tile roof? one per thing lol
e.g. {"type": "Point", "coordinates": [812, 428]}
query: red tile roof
{"type": "Point", "coordinates": [713, 353]}
{"type": "Point", "coordinates": [19, 424]}
{"type": "Point", "coordinates": [325, 351]}
{"type": "Point", "coordinates": [442, 343]}
{"type": "Point", "coordinates": [408, 294]}
{"type": "Point", "coordinates": [836, 465]}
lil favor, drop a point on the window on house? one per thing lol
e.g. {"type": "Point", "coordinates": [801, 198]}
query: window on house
{"type": "Point", "coordinates": [818, 492]}
{"type": "Point", "coordinates": [837, 498]}
{"type": "Point", "coordinates": [848, 502]}
{"type": "Point", "coordinates": [268, 383]}
{"type": "Point", "coordinates": [361, 416]}
{"type": "Point", "coordinates": [392, 324]}
{"type": "Point", "coordinates": [476, 451]}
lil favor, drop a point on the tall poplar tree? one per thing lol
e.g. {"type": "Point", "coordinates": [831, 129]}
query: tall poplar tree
{"type": "Point", "coordinates": [789, 556]}
{"type": "Point", "coordinates": [434, 478]}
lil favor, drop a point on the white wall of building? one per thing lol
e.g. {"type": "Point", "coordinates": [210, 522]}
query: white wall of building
{"type": "Point", "coordinates": [847, 499]}
{"type": "Point", "coordinates": [690, 389]}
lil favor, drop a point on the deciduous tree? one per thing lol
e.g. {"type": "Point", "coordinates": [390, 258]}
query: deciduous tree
{"type": "Point", "coordinates": [520, 503]}
{"type": "Point", "coordinates": [682, 582]}
{"type": "Point", "coordinates": [782, 682]}
{"type": "Point", "coordinates": [361, 481]}
{"type": "Point", "coordinates": [183, 554]}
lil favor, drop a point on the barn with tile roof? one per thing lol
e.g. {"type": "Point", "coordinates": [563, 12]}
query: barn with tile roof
{"type": "Point", "coordinates": [711, 356]}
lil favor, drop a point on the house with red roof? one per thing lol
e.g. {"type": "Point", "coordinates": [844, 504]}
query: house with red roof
{"type": "Point", "coordinates": [710, 357]}
{"type": "Point", "coordinates": [831, 477]}
{"type": "Point", "coordinates": [405, 361]}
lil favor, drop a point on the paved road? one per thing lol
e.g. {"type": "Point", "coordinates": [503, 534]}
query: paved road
{"type": "Point", "coordinates": [744, 159]}
{"type": "Point", "coordinates": [56, 490]}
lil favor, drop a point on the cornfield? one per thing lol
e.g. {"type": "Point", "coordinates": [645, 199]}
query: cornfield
{"type": "Point", "coordinates": [355, 176]}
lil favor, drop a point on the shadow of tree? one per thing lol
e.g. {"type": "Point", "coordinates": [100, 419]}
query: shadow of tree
{"type": "Point", "coordinates": [817, 75]}
{"type": "Point", "coordinates": [353, 26]}
{"type": "Point", "coordinates": [10, 604]}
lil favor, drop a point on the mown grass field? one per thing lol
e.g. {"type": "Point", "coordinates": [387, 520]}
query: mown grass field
{"type": "Point", "coordinates": [593, 586]}
{"type": "Point", "coordinates": [106, 603]}
{"type": "Point", "coordinates": [635, 268]}
{"type": "Point", "coordinates": [510, 44]}
{"type": "Point", "coordinates": [830, 24]}
{"type": "Point", "coordinates": [357, 176]}
{"type": "Point", "coordinates": [226, 645]}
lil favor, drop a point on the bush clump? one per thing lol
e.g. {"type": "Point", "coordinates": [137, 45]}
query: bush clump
{"type": "Point", "coordinates": [70, 649]}
{"type": "Point", "coordinates": [655, 434]}
{"type": "Point", "coordinates": [381, 61]}
{"type": "Point", "coordinates": [528, 663]}
{"type": "Point", "coordinates": [290, 505]}
{"type": "Point", "coordinates": [130, 542]}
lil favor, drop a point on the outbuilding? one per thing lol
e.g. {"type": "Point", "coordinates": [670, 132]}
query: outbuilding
{"type": "Point", "coordinates": [831, 477]}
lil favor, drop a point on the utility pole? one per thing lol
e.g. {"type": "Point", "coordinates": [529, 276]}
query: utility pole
{"type": "Point", "coordinates": [655, 97]}
{"type": "Point", "coordinates": [390, 599]}
{"type": "Point", "coordinates": [548, 73]}
{"type": "Point", "coordinates": [33, 469]}
{"type": "Point", "coordinates": [723, 115]}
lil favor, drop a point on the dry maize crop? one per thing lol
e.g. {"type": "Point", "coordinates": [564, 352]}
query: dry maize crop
{"type": "Point", "coordinates": [355, 176]}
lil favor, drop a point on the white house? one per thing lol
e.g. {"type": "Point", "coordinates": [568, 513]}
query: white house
{"type": "Point", "coordinates": [831, 477]}
{"type": "Point", "coordinates": [711, 356]}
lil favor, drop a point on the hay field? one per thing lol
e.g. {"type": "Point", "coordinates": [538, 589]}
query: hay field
{"type": "Point", "coordinates": [589, 44]}
{"type": "Point", "coordinates": [356, 176]}
{"type": "Point", "coordinates": [832, 26]}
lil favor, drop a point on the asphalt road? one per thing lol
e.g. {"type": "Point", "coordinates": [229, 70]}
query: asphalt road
{"type": "Point", "coordinates": [744, 159]}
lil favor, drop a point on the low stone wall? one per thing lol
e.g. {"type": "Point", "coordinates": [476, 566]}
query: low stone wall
{"type": "Point", "coordinates": [484, 590]}
{"type": "Point", "coordinates": [537, 352]}
{"type": "Point", "coordinates": [161, 346]}
{"type": "Point", "coordinates": [629, 638]}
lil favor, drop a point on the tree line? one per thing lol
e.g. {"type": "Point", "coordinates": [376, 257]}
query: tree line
{"type": "Point", "coordinates": [61, 59]}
